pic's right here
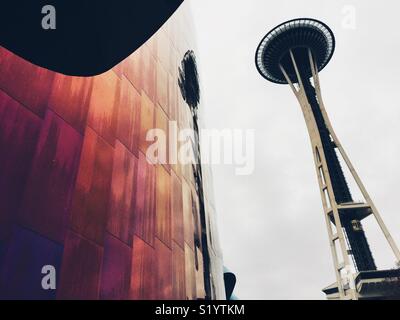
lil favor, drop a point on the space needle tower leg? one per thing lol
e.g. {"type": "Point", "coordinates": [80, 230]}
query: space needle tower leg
{"type": "Point", "coordinates": [294, 53]}
{"type": "Point", "coordinates": [351, 168]}
{"type": "Point", "coordinates": [325, 185]}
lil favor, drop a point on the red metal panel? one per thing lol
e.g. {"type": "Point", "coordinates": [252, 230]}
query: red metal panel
{"type": "Point", "coordinates": [146, 122]}
{"type": "Point", "coordinates": [47, 199]}
{"type": "Point", "coordinates": [81, 267]}
{"type": "Point", "coordinates": [178, 272]}
{"type": "Point", "coordinates": [177, 210]}
{"type": "Point", "coordinates": [163, 205]}
{"type": "Point", "coordinates": [70, 99]}
{"type": "Point", "coordinates": [116, 269]}
{"type": "Point", "coordinates": [143, 281]}
{"type": "Point", "coordinates": [163, 124]}
{"type": "Point", "coordinates": [19, 132]}
{"type": "Point", "coordinates": [187, 214]}
{"type": "Point", "coordinates": [103, 109]}
{"type": "Point", "coordinates": [122, 200]}
{"type": "Point", "coordinates": [128, 128]}
{"type": "Point", "coordinates": [163, 271]}
{"type": "Point", "coordinates": [28, 84]}
{"type": "Point", "coordinates": [73, 169]}
{"type": "Point", "coordinates": [92, 193]}
{"type": "Point", "coordinates": [144, 219]}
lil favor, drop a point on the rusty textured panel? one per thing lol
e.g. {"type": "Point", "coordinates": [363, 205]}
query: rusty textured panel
{"type": "Point", "coordinates": [28, 84]}
{"type": "Point", "coordinates": [103, 108]}
{"type": "Point", "coordinates": [144, 219]}
{"type": "Point", "coordinates": [147, 121]}
{"type": "Point", "coordinates": [163, 271]}
{"type": "Point", "coordinates": [128, 128]}
{"type": "Point", "coordinates": [19, 132]}
{"type": "Point", "coordinates": [122, 200]}
{"type": "Point", "coordinates": [178, 273]}
{"type": "Point", "coordinates": [73, 170]}
{"type": "Point", "coordinates": [163, 124]}
{"type": "Point", "coordinates": [81, 267]}
{"type": "Point", "coordinates": [116, 269]}
{"type": "Point", "coordinates": [177, 210]}
{"type": "Point", "coordinates": [163, 205]}
{"type": "Point", "coordinates": [143, 281]}
{"type": "Point", "coordinates": [187, 215]}
{"type": "Point", "coordinates": [91, 196]}
{"type": "Point", "coordinates": [70, 99]}
{"type": "Point", "coordinates": [47, 198]}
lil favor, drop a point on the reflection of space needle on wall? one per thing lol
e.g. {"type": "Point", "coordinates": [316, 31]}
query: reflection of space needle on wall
{"type": "Point", "coordinates": [293, 53]}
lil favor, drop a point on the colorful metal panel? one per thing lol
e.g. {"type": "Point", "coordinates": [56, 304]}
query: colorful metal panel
{"type": "Point", "coordinates": [77, 191]}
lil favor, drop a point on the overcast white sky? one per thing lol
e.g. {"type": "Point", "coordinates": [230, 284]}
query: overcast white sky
{"type": "Point", "coordinates": [271, 225]}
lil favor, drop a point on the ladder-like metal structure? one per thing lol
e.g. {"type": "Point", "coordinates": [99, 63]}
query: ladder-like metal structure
{"type": "Point", "coordinates": [343, 216]}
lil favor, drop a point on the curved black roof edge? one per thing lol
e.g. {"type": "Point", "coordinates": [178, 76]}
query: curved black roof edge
{"type": "Point", "coordinates": [90, 36]}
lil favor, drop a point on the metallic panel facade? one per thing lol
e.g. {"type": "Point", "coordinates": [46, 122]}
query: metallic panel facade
{"type": "Point", "coordinates": [76, 189]}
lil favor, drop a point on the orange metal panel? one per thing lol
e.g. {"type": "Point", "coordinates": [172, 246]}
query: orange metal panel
{"type": "Point", "coordinates": [178, 272]}
{"type": "Point", "coordinates": [163, 205]}
{"type": "Point", "coordinates": [91, 196]}
{"type": "Point", "coordinates": [128, 128]}
{"type": "Point", "coordinates": [147, 121]}
{"type": "Point", "coordinates": [143, 280]}
{"type": "Point", "coordinates": [187, 215]}
{"type": "Point", "coordinates": [122, 199]}
{"type": "Point", "coordinates": [177, 210]}
{"type": "Point", "coordinates": [144, 218]}
{"type": "Point", "coordinates": [103, 109]}
{"type": "Point", "coordinates": [163, 271]}
{"type": "Point", "coordinates": [70, 99]}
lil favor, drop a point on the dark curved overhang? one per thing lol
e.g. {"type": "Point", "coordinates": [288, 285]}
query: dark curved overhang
{"type": "Point", "coordinates": [297, 35]}
{"type": "Point", "coordinates": [230, 282]}
{"type": "Point", "coordinates": [90, 36]}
